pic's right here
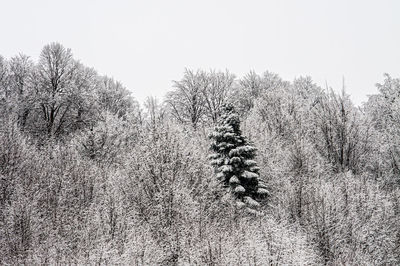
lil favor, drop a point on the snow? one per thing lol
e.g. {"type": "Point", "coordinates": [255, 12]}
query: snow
{"type": "Point", "coordinates": [249, 175]}
{"type": "Point", "coordinates": [226, 168]}
{"type": "Point", "coordinates": [251, 202]}
{"type": "Point", "coordinates": [240, 189]}
{"type": "Point", "coordinates": [262, 191]}
{"type": "Point", "coordinates": [234, 180]}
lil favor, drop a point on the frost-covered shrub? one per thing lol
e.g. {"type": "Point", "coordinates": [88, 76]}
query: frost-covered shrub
{"type": "Point", "coordinates": [350, 219]}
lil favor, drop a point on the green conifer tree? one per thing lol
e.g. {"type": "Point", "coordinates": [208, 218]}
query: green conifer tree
{"type": "Point", "coordinates": [233, 159]}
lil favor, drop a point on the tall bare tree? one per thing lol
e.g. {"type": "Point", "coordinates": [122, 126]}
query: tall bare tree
{"type": "Point", "coordinates": [217, 92]}
{"type": "Point", "coordinates": [187, 100]}
{"type": "Point", "coordinates": [56, 71]}
{"type": "Point", "coordinates": [20, 78]}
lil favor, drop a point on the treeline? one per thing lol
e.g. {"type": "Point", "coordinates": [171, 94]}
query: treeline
{"type": "Point", "coordinates": [88, 176]}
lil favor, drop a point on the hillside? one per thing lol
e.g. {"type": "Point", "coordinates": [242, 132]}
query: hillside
{"type": "Point", "coordinates": [90, 176]}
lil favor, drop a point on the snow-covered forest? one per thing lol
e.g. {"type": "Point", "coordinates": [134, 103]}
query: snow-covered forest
{"type": "Point", "coordinates": [224, 170]}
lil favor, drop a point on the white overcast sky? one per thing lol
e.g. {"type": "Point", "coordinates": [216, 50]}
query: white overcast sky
{"type": "Point", "coordinates": [147, 44]}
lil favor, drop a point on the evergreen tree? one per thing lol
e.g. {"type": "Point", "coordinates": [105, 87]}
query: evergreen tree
{"type": "Point", "coordinates": [233, 159]}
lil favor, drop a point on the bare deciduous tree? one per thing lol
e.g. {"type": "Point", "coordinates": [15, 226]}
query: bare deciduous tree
{"type": "Point", "coordinates": [187, 100]}
{"type": "Point", "coordinates": [338, 125]}
{"type": "Point", "coordinates": [56, 70]}
{"type": "Point", "coordinates": [21, 67]}
{"type": "Point", "coordinates": [217, 92]}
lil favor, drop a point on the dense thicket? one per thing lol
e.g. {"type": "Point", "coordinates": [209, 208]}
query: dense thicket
{"type": "Point", "coordinates": [87, 176]}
